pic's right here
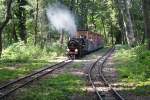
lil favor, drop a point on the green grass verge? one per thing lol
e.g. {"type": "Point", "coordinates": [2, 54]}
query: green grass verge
{"type": "Point", "coordinates": [133, 65]}
{"type": "Point", "coordinates": [20, 59]}
{"type": "Point", "coordinates": [60, 87]}
{"type": "Point", "coordinates": [12, 70]}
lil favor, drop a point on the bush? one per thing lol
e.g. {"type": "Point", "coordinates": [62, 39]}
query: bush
{"type": "Point", "coordinates": [56, 48]}
{"type": "Point", "coordinates": [24, 52]}
{"type": "Point", "coordinates": [135, 64]}
{"type": "Point", "coordinates": [134, 71]}
{"type": "Point", "coordinates": [144, 57]}
{"type": "Point", "coordinates": [21, 52]}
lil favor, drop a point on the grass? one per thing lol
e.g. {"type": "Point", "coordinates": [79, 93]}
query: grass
{"type": "Point", "coordinates": [14, 70]}
{"type": "Point", "coordinates": [60, 87]}
{"type": "Point", "coordinates": [77, 65]}
{"type": "Point", "coordinates": [133, 65]}
{"type": "Point", "coordinates": [20, 59]}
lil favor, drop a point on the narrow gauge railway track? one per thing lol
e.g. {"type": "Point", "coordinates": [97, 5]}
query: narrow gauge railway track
{"type": "Point", "coordinates": [11, 87]}
{"type": "Point", "coordinates": [99, 77]}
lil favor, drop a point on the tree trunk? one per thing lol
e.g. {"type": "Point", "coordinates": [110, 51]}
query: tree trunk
{"type": "Point", "coordinates": [122, 23]}
{"type": "Point", "coordinates": [22, 20]}
{"type": "Point", "coordinates": [62, 38]}
{"type": "Point", "coordinates": [4, 23]}
{"type": "Point", "coordinates": [14, 35]}
{"type": "Point", "coordinates": [93, 22]}
{"type": "Point", "coordinates": [119, 38]}
{"type": "Point", "coordinates": [104, 30]}
{"type": "Point", "coordinates": [36, 21]}
{"type": "Point", "coordinates": [127, 22]}
{"type": "Point", "coordinates": [143, 38]}
{"type": "Point", "coordinates": [112, 34]}
{"type": "Point", "coordinates": [130, 35]}
{"type": "Point", "coordinates": [146, 6]}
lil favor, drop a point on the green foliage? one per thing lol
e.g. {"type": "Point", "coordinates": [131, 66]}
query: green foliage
{"type": "Point", "coordinates": [135, 63]}
{"type": "Point", "coordinates": [144, 57]}
{"type": "Point", "coordinates": [57, 88]}
{"type": "Point", "coordinates": [2, 9]}
{"type": "Point", "coordinates": [134, 68]}
{"type": "Point", "coordinates": [21, 52]}
{"type": "Point", "coordinates": [56, 48]}
{"type": "Point", "coordinates": [19, 59]}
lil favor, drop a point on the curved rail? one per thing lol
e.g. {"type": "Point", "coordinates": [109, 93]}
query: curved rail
{"type": "Point", "coordinates": [10, 87]}
{"type": "Point", "coordinates": [102, 60]}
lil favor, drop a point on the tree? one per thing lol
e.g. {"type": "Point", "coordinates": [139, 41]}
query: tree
{"type": "Point", "coordinates": [4, 23]}
{"type": "Point", "coordinates": [21, 15]}
{"type": "Point", "coordinates": [127, 21]}
{"type": "Point", "coordinates": [36, 21]}
{"type": "Point", "coordinates": [146, 6]}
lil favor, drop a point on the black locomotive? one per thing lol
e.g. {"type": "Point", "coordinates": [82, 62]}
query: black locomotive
{"type": "Point", "coordinates": [85, 43]}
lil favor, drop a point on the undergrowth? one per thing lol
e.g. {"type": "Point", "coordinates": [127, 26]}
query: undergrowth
{"type": "Point", "coordinates": [134, 66]}
{"type": "Point", "coordinates": [21, 52]}
{"type": "Point", "coordinates": [20, 59]}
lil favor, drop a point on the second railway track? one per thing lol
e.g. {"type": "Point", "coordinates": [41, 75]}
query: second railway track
{"type": "Point", "coordinates": [98, 80]}
{"type": "Point", "coordinates": [11, 87]}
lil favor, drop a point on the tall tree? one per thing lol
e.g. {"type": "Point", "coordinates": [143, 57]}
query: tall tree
{"type": "Point", "coordinates": [4, 23]}
{"type": "Point", "coordinates": [127, 21]}
{"type": "Point", "coordinates": [21, 15]}
{"type": "Point", "coordinates": [146, 6]}
{"type": "Point", "coordinates": [36, 21]}
{"type": "Point", "coordinates": [14, 33]}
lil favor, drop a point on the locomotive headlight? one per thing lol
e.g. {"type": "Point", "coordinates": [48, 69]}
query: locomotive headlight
{"type": "Point", "coordinates": [68, 50]}
{"type": "Point", "coordinates": [76, 50]}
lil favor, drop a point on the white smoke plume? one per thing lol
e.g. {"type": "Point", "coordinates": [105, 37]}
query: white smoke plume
{"type": "Point", "coordinates": [61, 19]}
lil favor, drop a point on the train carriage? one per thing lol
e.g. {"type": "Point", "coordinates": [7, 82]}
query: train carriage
{"type": "Point", "coordinates": [83, 43]}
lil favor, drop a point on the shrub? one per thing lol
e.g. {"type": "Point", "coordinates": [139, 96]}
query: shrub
{"type": "Point", "coordinates": [135, 63]}
{"type": "Point", "coordinates": [144, 57]}
{"type": "Point", "coordinates": [21, 52]}
{"type": "Point", "coordinates": [56, 48]}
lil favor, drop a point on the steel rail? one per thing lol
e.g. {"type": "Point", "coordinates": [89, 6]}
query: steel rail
{"type": "Point", "coordinates": [22, 78]}
{"type": "Point", "coordinates": [102, 60]}
{"type": "Point", "coordinates": [31, 78]}
{"type": "Point", "coordinates": [114, 92]}
{"type": "Point", "coordinates": [90, 74]}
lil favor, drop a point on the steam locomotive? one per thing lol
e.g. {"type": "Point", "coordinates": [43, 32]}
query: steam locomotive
{"type": "Point", "coordinates": [84, 43]}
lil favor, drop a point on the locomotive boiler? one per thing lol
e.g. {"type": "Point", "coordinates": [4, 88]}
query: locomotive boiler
{"type": "Point", "coordinates": [84, 43]}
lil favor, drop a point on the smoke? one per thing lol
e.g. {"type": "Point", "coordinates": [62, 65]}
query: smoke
{"type": "Point", "coordinates": [61, 19]}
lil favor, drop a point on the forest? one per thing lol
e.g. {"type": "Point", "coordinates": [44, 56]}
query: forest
{"type": "Point", "coordinates": [119, 21]}
{"type": "Point", "coordinates": [28, 39]}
